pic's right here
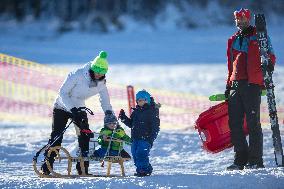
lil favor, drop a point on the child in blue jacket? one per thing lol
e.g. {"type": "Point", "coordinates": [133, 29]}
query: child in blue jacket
{"type": "Point", "coordinates": [145, 126]}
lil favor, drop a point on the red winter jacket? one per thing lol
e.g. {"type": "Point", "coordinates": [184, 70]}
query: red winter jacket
{"type": "Point", "coordinates": [244, 60]}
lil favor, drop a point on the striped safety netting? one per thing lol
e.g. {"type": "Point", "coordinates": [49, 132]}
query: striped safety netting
{"type": "Point", "coordinates": [28, 90]}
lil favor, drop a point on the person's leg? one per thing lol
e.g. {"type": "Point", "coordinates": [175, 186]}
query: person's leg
{"type": "Point", "coordinates": [142, 158]}
{"type": "Point", "coordinates": [59, 121]}
{"type": "Point", "coordinates": [113, 152]}
{"type": "Point", "coordinates": [236, 120]}
{"type": "Point", "coordinates": [100, 152]}
{"type": "Point", "coordinates": [83, 140]}
{"type": "Point", "coordinates": [252, 100]}
{"type": "Point", "coordinates": [79, 170]}
{"type": "Point", "coordinates": [133, 152]}
{"type": "Point", "coordinates": [124, 154]}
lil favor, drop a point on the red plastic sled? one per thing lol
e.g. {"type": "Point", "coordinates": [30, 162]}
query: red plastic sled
{"type": "Point", "coordinates": [213, 128]}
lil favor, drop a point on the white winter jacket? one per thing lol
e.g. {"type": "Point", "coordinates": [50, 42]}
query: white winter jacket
{"type": "Point", "coordinates": [78, 87]}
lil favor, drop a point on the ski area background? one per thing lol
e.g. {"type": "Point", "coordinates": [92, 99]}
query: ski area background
{"type": "Point", "coordinates": [175, 49]}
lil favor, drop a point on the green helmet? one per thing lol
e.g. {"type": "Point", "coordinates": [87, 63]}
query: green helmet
{"type": "Point", "coordinates": [99, 64]}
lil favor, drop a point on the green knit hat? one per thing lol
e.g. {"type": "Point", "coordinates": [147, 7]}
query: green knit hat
{"type": "Point", "coordinates": [99, 64]}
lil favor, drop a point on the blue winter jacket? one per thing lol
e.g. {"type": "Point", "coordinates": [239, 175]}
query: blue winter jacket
{"type": "Point", "coordinates": [144, 123]}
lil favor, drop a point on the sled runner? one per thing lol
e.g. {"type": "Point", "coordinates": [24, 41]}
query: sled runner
{"type": "Point", "coordinates": [64, 159]}
{"type": "Point", "coordinates": [213, 128]}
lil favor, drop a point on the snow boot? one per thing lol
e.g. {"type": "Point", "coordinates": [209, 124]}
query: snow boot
{"type": "Point", "coordinates": [79, 170]}
{"type": "Point", "coordinates": [44, 169]}
{"type": "Point", "coordinates": [142, 174]}
{"type": "Point", "coordinates": [254, 166]}
{"type": "Point", "coordinates": [235, 167]}
{"type": "Point", "coordinates": [124, 154]}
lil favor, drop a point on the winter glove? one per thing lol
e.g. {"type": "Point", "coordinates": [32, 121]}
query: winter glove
{"type": "Point", "coordinates": [87, 132]}
{"type": "Point", "coordinates": [108, 112]}
{"type": "Point", "coordinates": [79, 117]}
{"type": "Point", "coordinates": [227, 92]}
{"type": "Point", "coordinates": [270, 67]}
{"type": "Point", "coordinates": [122, 115]}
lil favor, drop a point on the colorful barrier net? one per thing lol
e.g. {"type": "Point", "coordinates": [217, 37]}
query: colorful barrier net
{"type": "Point", "coordinates": [28, 91]}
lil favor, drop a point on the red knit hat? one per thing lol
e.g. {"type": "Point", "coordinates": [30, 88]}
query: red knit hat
{"type": "Point", "coordinates": [242, 13]}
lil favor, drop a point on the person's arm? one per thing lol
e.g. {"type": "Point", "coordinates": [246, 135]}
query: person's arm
{"type": "Point", "coordinates": [100, 138]}
{"type": "Point", "coordinates": [65, 91]}
{"type": "Point", "coordinates": [103, 136]}
{"type": "Point", "coordinates": [121, 136]}
{"type": "Point", "coordinates": [155, 124]}
{"type": "Point", "coordinates": [105, 99]}
{"type": "Point", "coordinates": [126, 138]}
{"type": "Point", "coordinates": [229, 61]}
{"type": "Point", "coordinates": [124, 119]}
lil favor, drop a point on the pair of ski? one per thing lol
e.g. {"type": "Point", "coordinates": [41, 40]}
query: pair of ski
{"type": "Point", "coordinates": [262, 40]}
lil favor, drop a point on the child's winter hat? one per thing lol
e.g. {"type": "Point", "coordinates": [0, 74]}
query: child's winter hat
{"type": "Point", "coordinates": [100, 64]}
{"type": "Point", "coordinates": [143, 95]}
{"type": "Point", "coordinates": [110, 118]}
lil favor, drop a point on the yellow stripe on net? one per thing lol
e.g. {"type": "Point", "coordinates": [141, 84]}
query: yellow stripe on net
{"type": "Point", "coordinates": [26, 93]}
{"type": "Point", "coordinates": [33, 65]}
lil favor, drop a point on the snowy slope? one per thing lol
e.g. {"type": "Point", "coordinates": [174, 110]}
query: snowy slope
{"type": "Point", "coordinates": [177, 158]}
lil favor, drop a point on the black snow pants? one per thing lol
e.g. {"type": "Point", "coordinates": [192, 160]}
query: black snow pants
{"type": "Point", "coordinates": [59, 121]}
{"type": "Point", "coordinates": [244, 100]}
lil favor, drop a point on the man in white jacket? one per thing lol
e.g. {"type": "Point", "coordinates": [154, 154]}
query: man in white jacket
{"type": "Point", "coordinates": [79, 85]}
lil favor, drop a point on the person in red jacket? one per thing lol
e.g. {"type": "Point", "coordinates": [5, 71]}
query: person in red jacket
{"type": "Point", "coordinates": [243, 91]}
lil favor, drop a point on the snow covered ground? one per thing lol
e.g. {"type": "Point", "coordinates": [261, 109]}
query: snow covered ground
{"type": "Point", "coordinates": [177, 158]}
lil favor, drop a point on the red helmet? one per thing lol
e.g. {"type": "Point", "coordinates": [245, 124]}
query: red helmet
{"type": "Point", "coordinates": [242, 13]}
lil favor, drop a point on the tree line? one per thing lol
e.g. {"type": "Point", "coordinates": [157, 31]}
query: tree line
{"type": "Point", "coordinates": [103, 12]}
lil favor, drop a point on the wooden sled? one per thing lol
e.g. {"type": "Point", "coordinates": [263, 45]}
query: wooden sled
{"type": "Point", "coordinates": [66, 156]}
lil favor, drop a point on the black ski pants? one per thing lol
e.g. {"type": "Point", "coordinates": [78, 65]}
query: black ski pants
{"type": "Point", "coordinates": [59, 121]}
{"type": "Point", "coordinates": [244, 101]}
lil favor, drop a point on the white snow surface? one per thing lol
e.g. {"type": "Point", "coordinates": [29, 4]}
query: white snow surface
{"type": "Point", "coordinates": [177, 158]}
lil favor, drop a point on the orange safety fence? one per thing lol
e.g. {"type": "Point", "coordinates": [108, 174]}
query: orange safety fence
{"type": "Point", "coordinates": [28, 90]}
